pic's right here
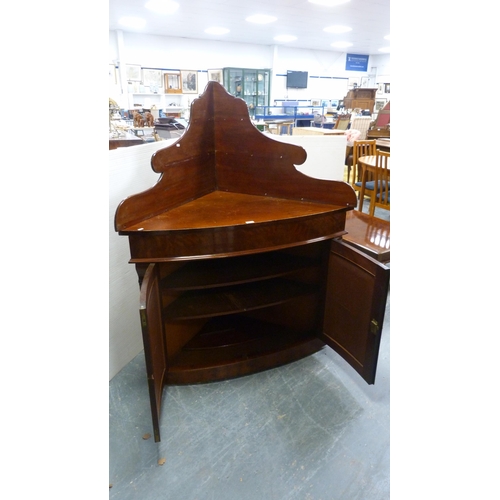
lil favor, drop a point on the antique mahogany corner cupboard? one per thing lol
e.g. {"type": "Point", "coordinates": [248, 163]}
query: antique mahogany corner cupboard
{"type": "Point", "coordinates": [240, 257]}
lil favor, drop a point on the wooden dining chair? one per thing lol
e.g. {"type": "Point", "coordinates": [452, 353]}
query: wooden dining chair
{"type": "Point", "coordinates": [342, 122]}
{"type": "Point", "coordinates": [359, 148]}
{"type": "Point", "coordinates": [382, 197]}
{"type": "Point", "coordinates": [378, 189]}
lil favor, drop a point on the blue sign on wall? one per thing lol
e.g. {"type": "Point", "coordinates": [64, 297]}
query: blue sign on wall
{"type": "Point", "coordinates": [356, 62]}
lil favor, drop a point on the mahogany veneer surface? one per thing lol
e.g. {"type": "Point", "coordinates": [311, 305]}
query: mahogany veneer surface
{"type": "Point", "coordinates": [369, 234]}
{"type": "Point", "coordinates": [219, 209]}
{"type": "Point", "coordinates": [224, 223]}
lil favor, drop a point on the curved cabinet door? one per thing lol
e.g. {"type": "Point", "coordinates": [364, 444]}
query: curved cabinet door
{"type": "Point", "coordinates": [154, 345]}
{"type": "Point", "coordinates": [356, 296]}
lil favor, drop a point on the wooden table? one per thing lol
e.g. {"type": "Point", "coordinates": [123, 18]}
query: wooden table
{"type": "Point", "coordinates": [123, 142]}
{"type": "Point", "coordinates": [369, 163]}
{"type": "Point", "coordinates": [316, 131]}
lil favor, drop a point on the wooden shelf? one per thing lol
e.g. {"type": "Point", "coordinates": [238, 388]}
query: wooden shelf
{"type": "Point", "coordinates": [236, 345]}
{"type": "Point", "coordinates": [220, 272]}
{"type": "Point", "coordinates": [232, 299]}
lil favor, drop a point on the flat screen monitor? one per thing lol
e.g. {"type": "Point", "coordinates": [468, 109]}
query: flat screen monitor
{"type": "Point", "coordinates": [296, 79]}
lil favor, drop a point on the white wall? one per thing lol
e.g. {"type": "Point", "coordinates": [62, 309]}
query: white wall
{"type": "Point", "coordinates": [130, 172]}
{"type": "Point", "coordinates": [325, 154]}
{"type": "Point", "coordinates": [152, 51]}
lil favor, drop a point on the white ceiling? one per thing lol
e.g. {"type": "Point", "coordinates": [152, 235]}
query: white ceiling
{"type": "Point", "coordinates": [369, 20]}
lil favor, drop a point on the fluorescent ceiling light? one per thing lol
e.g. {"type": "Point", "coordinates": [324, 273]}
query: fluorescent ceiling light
{"type": "Point", "coordinates": [162, 6]}
{"type": "Point", "coordinates": [132, 22]}
{"type": "Point", "coordinates": [337, 29]}
{"type": "Point", "coordinates": [261, 19]}
{"type": "Point", "coordinates": [329, 3]}
{"type": "Point", "coordinates": [216, 31]}
{"type": "Point", "coordinates": [285, 38]}
{"type": "Point", "coordinates": [341, 45]}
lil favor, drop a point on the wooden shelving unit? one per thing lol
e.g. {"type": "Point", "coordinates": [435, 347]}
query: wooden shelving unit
{"type": "Point", "coordinates": [240, 257]}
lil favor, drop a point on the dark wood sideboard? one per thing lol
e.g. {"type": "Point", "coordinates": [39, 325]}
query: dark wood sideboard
{"type": "Point", "coordinates": [240, 257]}
{"type": "Point", "coordinates": [362, 98]}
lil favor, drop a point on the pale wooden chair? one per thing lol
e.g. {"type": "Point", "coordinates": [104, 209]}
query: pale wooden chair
{"type": "Point", "coordinates": [361, 123]}
{"type": "Point", "coordinates": [359, 148]}
{"type": "Point", "coordinates": [379, 188]}
{"type": "Point", "coordinates": [382, 195]}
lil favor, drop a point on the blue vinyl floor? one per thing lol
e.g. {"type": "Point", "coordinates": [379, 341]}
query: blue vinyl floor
{"type": "Point", "coordinates": [310, 430]}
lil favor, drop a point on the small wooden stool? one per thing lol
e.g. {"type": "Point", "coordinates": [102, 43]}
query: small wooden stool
{"type": "Point", "coordinates": [369, 235]}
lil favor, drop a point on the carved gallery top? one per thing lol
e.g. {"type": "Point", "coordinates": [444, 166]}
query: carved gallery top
{"type": "Point", "coordinates": [225, 176]}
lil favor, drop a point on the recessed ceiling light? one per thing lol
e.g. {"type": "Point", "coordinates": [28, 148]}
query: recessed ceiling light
{"type": "Point", "coordinates": [261, 19]}
{"type": "Point", "coordinates": [337, 29]}
{"type": "Point", "coordinates": [329, 3]}
{"type": "Point", "coordinates": [341, 45]}
{"type": "Point", "coordinates": [285, 38]}
{"type": "Point", "coordinates": [385, 49]}
{"type": "Point", "coordinates": [216, 31]}
{"type": "Point", "coordinates": [132, 22]}
{"type": "Point", "coordinates": [162, 6]}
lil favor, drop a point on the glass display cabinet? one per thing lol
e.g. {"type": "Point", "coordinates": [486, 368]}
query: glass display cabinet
{"type": "Point", "coordinates": [252, 85]}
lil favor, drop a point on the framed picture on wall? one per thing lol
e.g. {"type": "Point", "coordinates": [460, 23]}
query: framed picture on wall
{"type": "Point", "coordinates": [134, 73]}
{"type": "Point", "coordinates": [315, 102]}
{"type": "Point", "coordinates": [387, 87]}
{"type": "Point", "coordinates": [152, 78]}
{"type": "Point", "coordinates": [215, 75]}
{"type": "Point", "coordinates": [189, 79]}
{"type": "Point", "coordinates": [379, 104]}
{"type": "Point", "coordinates": [173, 83]}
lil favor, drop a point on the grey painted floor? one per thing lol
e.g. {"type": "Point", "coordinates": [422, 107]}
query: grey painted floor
{"type": "Point", "coordinates": [310, 430]}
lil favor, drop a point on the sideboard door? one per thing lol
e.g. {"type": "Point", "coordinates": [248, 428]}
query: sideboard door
{"type": "Point", "coordinates": [154, 344]}
{"type": "Point", "coordinates": [356, 296]}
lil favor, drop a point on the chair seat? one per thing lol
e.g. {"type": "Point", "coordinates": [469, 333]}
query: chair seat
{"type": "Point", "coordinates": [370, 185]}
{"type": "Point", "coordinates": [381, 197]}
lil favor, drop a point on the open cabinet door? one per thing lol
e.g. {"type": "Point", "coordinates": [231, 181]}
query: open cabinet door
{"type": "Point", "coordinates": [356, 296]}
{"type": "Point", "coordinates": [153, 338]}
